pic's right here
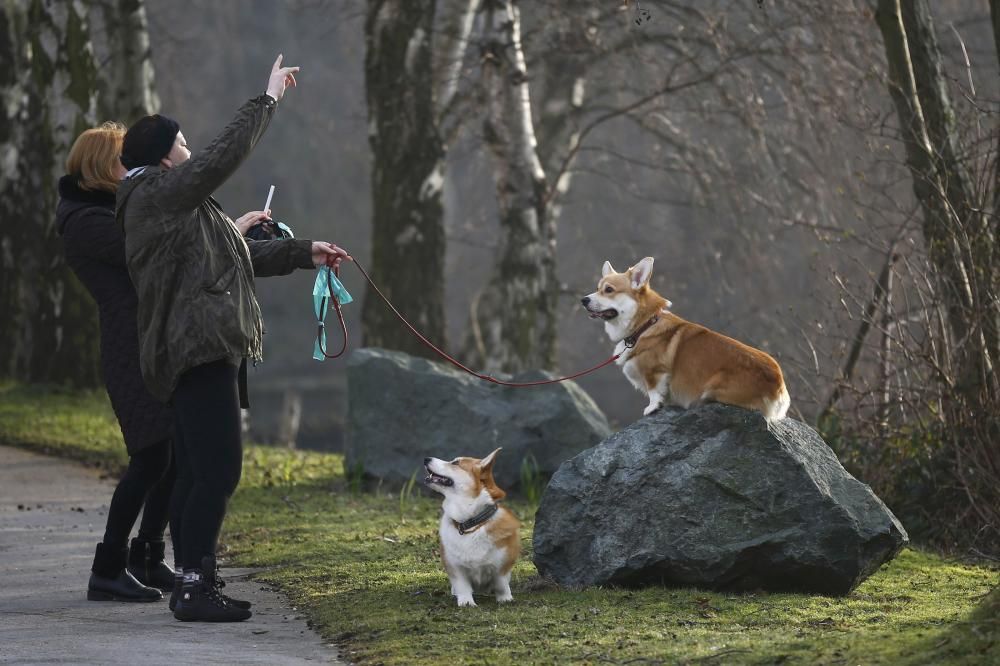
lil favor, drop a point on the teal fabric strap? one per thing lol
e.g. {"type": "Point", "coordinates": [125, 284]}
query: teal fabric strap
{"type": "Point", "coordinates": [325, 282]}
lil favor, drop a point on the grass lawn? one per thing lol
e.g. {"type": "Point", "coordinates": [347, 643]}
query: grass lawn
{"type": "Point", "coordinates": [364, 567]}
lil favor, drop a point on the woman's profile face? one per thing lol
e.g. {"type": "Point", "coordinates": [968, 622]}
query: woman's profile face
{"type": "Point", "coordinates": [179, 153]}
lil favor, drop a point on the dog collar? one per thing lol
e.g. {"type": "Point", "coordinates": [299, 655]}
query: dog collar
{"type": "Point", "coordinates": [474, 523]}
{"type": "Point", "coordinates": [631, 340]}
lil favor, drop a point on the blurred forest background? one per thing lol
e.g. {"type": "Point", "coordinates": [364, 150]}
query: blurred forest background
{"type": "Point", "coordinates": [818, 179]}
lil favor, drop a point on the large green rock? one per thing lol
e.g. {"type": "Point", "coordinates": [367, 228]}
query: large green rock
{"type": "Point", "coordinates": [712, 497]}
{"type": "Point", "coordinates": [402, 409]}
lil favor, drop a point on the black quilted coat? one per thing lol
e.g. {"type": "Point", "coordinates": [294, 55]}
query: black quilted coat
{"type": "Point", "coordinates": [95, 250]}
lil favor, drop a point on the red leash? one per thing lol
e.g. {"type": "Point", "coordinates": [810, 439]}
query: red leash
{"type": "Point", "coordinates": [442, 354]}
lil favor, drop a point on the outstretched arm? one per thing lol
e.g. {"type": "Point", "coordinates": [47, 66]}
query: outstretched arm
{"type": "Point", "coordinates": [188, 185]}
{"type": "Point", "coordinates": [281, 257]}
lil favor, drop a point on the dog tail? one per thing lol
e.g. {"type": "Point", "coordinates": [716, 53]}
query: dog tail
{"type": "Point", "coordinates": [775, 409]}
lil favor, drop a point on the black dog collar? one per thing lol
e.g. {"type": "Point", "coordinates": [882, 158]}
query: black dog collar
{"type": "Point", "coordinates": [476, 521]}
{"type": "Point", "coordinates": [631, 340]}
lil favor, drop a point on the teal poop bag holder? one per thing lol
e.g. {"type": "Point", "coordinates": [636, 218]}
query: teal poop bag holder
{"type": "Point", "coordinates": [326, 282]}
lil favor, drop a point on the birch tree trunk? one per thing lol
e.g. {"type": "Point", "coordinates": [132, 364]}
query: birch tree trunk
{"type": "Point", "coordinates": [52, 91]}
{"type": "Point", "coordinates": [48, 331]}
{"type": "Point", "coordinates": [513, 320]}
{"type": "Point", "coordinates": [408, 242]}
{"type": "Point", "coordinates": [995, 20]}
{"type": "Point", "coordinates": [127, 83]}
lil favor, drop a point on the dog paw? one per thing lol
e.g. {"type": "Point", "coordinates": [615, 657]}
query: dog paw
{"type": "Point", "coordinates": [505, 598]}
{"type": "Point", "coordinates": [651, 408]}
{"type": "Point", "coordinates": [466, 602]}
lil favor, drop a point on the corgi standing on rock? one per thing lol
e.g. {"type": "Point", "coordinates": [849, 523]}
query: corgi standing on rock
{"type": "Point", "coordinates": [480, 540]}
{"type": "Point", "coordinates": [675, 361]}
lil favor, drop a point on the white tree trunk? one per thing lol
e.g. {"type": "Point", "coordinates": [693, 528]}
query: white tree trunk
{"type": "Point", "coordinates": [52, 89]}
{"type": "Point", "coordinates": [513, 328]}
{"type": "Point", "coordinates": [127, 81]}
{"type": "Point", "coordinates": [49, 93]}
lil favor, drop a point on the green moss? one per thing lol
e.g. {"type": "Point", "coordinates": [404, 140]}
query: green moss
{"type": "Point", "coordinates": [365, 569]}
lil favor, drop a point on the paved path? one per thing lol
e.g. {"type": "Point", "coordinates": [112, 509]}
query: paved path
{"type": "Point", "coordinates": [52, 514]}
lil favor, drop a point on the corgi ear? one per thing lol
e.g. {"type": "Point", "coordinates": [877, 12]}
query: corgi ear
{"type": "Point", "coordinates": [641, 273]}
{"type": "Point", "coordinates": [486, 475]}
{"type": "Point", "coordinates": [487, 462]}
{"type": "Point", "coordinates": [607, 269]}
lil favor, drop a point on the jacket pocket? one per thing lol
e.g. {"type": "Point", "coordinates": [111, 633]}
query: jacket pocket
{"type": "Point", "coordinates": [223, 283]}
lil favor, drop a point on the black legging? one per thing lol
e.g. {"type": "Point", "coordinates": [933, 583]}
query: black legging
{"type": "Point", "coordinates": [209, 454]}
{"type": "Point", "coordinates": [146, 485]}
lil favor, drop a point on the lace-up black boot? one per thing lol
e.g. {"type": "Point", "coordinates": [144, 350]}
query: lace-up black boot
{"type": "Point", "coordinates": [145, 562]}
{"type": "Point", "coordinates": [111, 581]}
{"type": "Point", "coordinates": [176, 593]}
{"type": "Point", "coordinates": [220, 584]}
{"type": "Point", "coordinates": [201, 601]}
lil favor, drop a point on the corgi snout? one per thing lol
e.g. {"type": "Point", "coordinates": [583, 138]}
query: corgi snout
{"type": "Point", "coordinates": [436, 478]}
{"type": "Point", "coordinates": [585, 300]}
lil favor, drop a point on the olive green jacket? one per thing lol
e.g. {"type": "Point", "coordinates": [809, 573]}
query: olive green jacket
{"type": "Point", "coordinates": [193, 271]}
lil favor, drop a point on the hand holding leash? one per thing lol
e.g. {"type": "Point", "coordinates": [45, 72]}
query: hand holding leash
{"type": "Point", "coordinates": [328, 254]}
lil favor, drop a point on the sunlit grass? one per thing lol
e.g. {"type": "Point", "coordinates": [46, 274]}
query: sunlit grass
{"type": "Point", "coordinates": [364, 567]}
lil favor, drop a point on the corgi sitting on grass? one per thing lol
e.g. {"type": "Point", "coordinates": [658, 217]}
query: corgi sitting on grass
{"type": "Point", "coordinates": [480, 540]}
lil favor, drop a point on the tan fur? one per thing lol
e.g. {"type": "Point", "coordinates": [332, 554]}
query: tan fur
{"type": "Point", "coordinates": [482, 557]}
{"type": "Point", "coordinates": [505, 528]}
{"type": "Point", "coordinates": [702, 365]}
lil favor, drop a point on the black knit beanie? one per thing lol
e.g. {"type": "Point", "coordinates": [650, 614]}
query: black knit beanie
{"type": "Point", "coordinates": [148, 141]}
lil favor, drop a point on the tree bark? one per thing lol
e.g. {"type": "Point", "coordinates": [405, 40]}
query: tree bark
{"type": "Point", "coordinates": [408, 242]}
{"type": "Point", "coordinates": [957, 234]}
{"type": "Point", "coordinates": [127, 83]}
{"type": "Point", "coordinates": [48, 332]}
{"type": "Point", "coordinates": [995, 17]}
{"type": "Point", "coordinates": [513, 323]}
{"type": "Point", "coordinates": [53, 91]}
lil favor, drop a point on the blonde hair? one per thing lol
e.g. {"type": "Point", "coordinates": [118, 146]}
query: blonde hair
{"type": "Point", "coordinates": [94, 156]}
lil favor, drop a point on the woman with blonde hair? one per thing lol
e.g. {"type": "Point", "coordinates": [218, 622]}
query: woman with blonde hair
{"type": "Point", "coordinates": [95, 250]}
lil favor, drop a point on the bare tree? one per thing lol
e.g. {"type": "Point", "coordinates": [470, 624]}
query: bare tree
{"type": "Point", "coordinates": [960, 229]}
{"type": "Point", "coordinates": [513, 320]}
{"type": "Point", "coordinates": [49, 87]}
{"type": "Point", "coordinates": [55, 87]}
{"type": "Point", "coordinates": [121, 44]}
{"type": "Point", "coordinates": [408, 243]}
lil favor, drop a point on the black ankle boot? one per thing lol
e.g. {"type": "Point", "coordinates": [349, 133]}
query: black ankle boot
{"type": "Point", "coordinates": [176, 593]}
{"type": "Point", "coordinates": [220, 584]}
{"type": "Point", "coordinates": [201, 601]}
{"type": "Point", "coordinates": [145, 562]}
{"type": "Point", "coordinates": [111, 581]}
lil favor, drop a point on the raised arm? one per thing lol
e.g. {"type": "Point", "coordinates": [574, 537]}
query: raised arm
{"type": "Point", "coordinates": [188, 185]}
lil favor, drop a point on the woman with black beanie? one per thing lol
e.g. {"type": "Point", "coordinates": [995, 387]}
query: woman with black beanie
{"type": "Point", "coordinates": [95, 251]}
{"type": "Point", "coordinates": [199, 318]}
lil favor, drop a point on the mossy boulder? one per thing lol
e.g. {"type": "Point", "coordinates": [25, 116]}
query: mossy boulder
{"type": "Point", "coordinates": [713, 497]}
{"type": "Point", "coordinates": [401, 409]}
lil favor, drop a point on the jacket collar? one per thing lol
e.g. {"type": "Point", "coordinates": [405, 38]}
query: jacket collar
{"type": "Point", "coordinates": [69, 188]}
